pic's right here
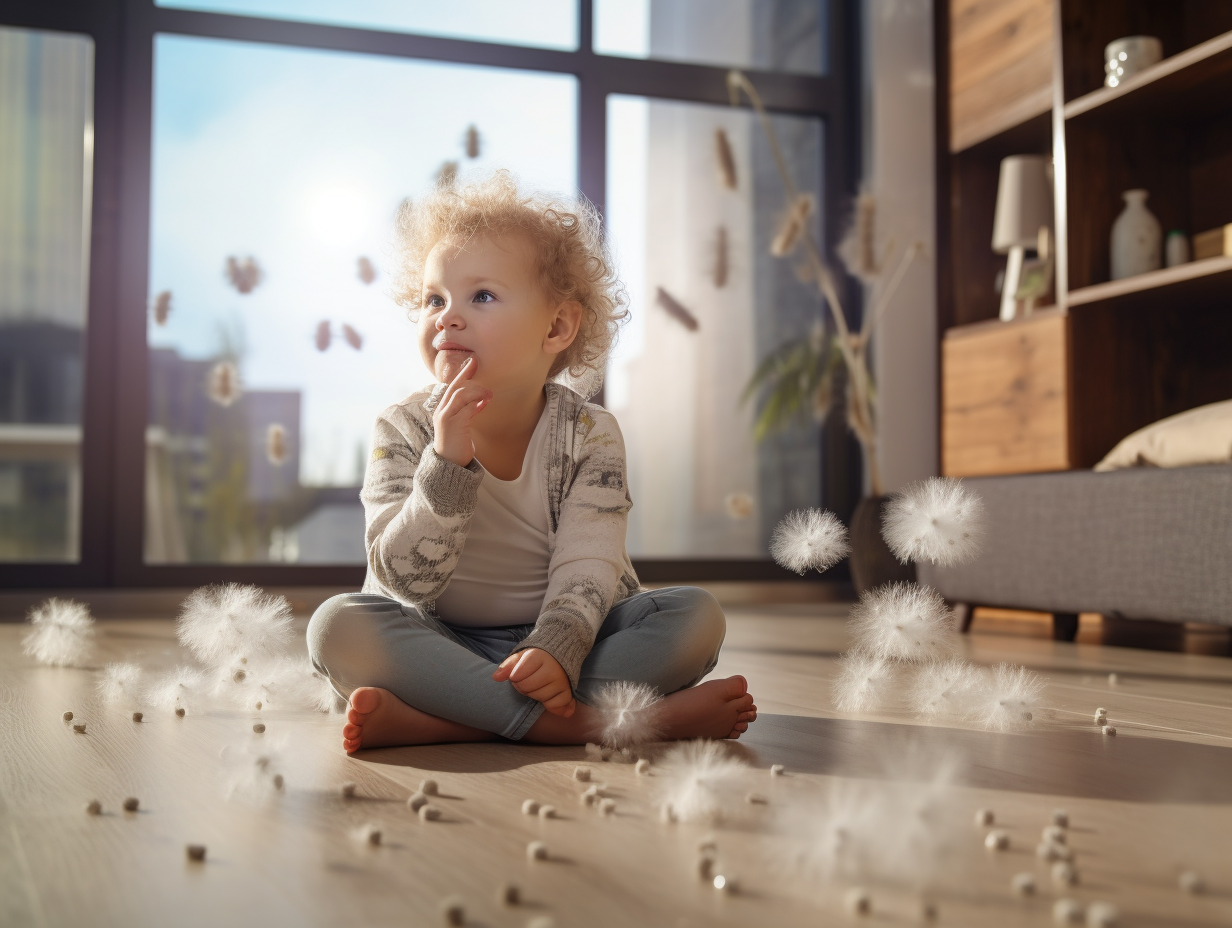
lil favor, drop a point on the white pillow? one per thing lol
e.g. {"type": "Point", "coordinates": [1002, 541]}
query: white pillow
{"type": "Point", "coordinates": [1196, 436]}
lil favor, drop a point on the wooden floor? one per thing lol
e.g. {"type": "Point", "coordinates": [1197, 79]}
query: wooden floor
{"type": "Point", "coordinates": [1145, 805]}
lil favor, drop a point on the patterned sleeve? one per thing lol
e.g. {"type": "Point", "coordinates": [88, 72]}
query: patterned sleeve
{"type": "Point", "coordinates": [589, 559]}
{"type": "Point", "coordinates": [417, 509]}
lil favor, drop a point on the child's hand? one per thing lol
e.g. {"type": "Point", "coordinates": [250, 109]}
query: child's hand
{"type": "Point", "coordinates": [536, 674]}
{"type": "Point", "coordinates": [452, 419]}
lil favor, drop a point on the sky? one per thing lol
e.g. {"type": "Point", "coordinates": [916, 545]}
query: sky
{"type": "Point", "coordinates": [300, 158]}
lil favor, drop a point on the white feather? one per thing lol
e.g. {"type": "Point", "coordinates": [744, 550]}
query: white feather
{"type": "Point", "coordinates": [937, 520]}
{"type": "Point", "coordinates": [1007, 698]}
{"type": "Point", "coordinates": [253, 769]}
{"type": "Point", "coordinates": [945, 690]}
{"type": "Point", "coordinates": [121, 683]}
{"type": "Point", "coordinates": [223, 624]}
{"type": "Point", "coordinates": [904, 622]}
{"type": "Point", "coordinates": [183, 688]}
{"type": "Point", "coordinates": [865, 683]}
{"type": "Point", "coordinates": [61, 633]}
{"type": "Point", "coordinates": [279, 684]}
{"type": "Point", "coordinates": [629, 713]}
{"type": "Point", "coordinates": [809, 539]}
{"type": "Point", "coordinates": [701, 782]}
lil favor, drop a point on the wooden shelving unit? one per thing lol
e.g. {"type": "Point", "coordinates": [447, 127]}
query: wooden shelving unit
{"type": "Point", "coordinates": [1130, 351]}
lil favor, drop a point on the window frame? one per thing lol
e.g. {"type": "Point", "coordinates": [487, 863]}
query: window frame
{"type": "Point", "coordinates": [115, 406]}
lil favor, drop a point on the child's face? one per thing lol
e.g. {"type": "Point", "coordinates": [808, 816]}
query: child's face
{"type": "Point", "coordinates": [482, 300]}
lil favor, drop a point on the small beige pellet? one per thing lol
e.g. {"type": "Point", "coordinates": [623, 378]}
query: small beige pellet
{"type": "Point", "coordinates": [137, 716]}
{"type": "Point", "coordinates": [94, 807]}
{"type": "Point", "coordinates": [131, 804]}
{"type": "Point", "coordinates": [430, 788]}
{"type": "Point", "coordinates": [984, 817]}
{"type": "Point", "coordinates": [347, 790]}
{"type": "Point", "coordinates": [1109, 731]}
{"type": "Point", "coordinates": [1023, 884]}
{"type": "Point", "coordinates": [756, 799]}
{"type": "Point", "coordinates": [238, 676]}
{"type": "Point", "coordinates": [1101, 716]}
{"type": "Point", "coordinates": [453, 912]}
{"type": "Point", "coordinates": [417, 802]}
{"type": "Point", "coordinates": [776, 770]}
{"type": "Point", "coordinates": [1060, 818]}
{"type": "Point", "coordinates": [79, 727]}
{"type": "Point", "coordinates": [429, 814]}
{"type": "Point", "coordinates": [529, 806]}
{"type": "Point", "coordinates": [705, 868]}
{"type": "Point", "coordinates": [642, 767]}
{"type": "Point", "coordinates": [607, 806]}
{"type": "Point", "coordinates": [278, 781]}
{"type": "Point", "coordinates": [997, 841]}
{"type": "Point", "coordinates": [537, 850]}
{"type": "Point", "coordinates": [1102, 915]}
{"type": "Point", "coordinates": [373, 835]}
{"type": "Point", "coordinates": [259, 728]}
{"type": "Point", "coordinates": [725, 884]}
{"type": "Point", "coordinates": [1067, 912]}
{"type": "Point", "coordinates": [581, 774]}
{"type": "Point", "coordinates": [928, 911]}
{"type": "Point", "coordinates": [1064, 873]}
{"type": "Point", "coordinates": [68, 715]}
{"type": "Point", "coordinates": [1191, 882]}
{"type": "Point", "coordinates": [541, 921]}
{"type": "Point", "coordinates": [707, 845]}
{"type": "Point", "coordinates": [1113, 680]}
{"type": "Point", "coordinates": [179, 712]}
{"type": "Point", "coordinates": [196, 852]}
{"type": "Point", "coordinates": [857, 901]}
{"type": "Point", "coordinates": [1054, 833]}
{"type": "Point", "coordinates": [508, 894]}
{"type": "Point", "coordinates": [547, 811]}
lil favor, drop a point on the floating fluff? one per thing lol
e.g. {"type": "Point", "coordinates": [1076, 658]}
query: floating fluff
{"type": "Point", "coordinates": [323, 335]}
{"type": "Point", "coordinates": [447, 174]}
{"type": "Point", "coordinates": [162, 307]}
{"type": "Point", "coordinates": [701, 781]}
{"type": "Point", "coordinates": [276, 450]}
{"type": "Point", "coordinates": [1067, 912]}
{"type": "Point", "coordinates": [943, 689]}
{"type": "Point", "coordinates": [243, 273]}
{"type": "Point", "coordinates": [182, 690]}
{"type": "Point", "coordinates": [223, 623]}
{"type": "Point", "coordinates": [365, 270]}
{"type": "Point", "coordinates": [222, 384]}
{"type": "Point", "coordinates": [903, 622]}
{"type": "Point", "coordinates": [352, 337]}
{"type": "Point", "coordinates": [275, 684]}
{"type": "Point", "coordinates": [61, 632]}
{"type": "Point", "coordinates": [809, 539]}
{"type": "Point", "coordinates": [1008, 698]}
{"type": "Point", "coordinates": [725, 160]}
{"type": "Point", "coordinates": [937, 520]}
{"type": "Point", "coordinates": [791, 226]}
{"type": "Point", "coordinates": [629, 714]}
{"type": "Point", "coordinates": [472, 141]}
{"type": "Point", "coordinates": [864, 683]}
{"type": "Point", "coordinates": [677, 310]}
{"type": "Point", "coordinates": [252, 769]}
{"type": "Point", "coordinates": [121, 683]}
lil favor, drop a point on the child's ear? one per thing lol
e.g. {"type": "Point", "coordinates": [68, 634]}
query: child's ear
{"type": "Point", "coordinates": [565, 325]}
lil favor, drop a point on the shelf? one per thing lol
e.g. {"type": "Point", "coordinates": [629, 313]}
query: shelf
{"type": "Point", "coordinates": [1197, 82]}
{"type": "Point", "coordinates": [1195, 281]}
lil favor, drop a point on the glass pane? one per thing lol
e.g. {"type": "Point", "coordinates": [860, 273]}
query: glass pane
{"type": "Point", "coordinates": [766, 35]}
{"type": "Point", "coordinates": [273, 343]}
{"type": "Point", "coordinates": [707, 302]}
{"type": "Point", "coordinates": [536, 23]}
{"type": "Point", "coordinates": [46, 164]}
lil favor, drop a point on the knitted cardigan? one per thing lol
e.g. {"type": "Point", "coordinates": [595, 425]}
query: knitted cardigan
{"type": "Point", "coordinates": [418, 508]}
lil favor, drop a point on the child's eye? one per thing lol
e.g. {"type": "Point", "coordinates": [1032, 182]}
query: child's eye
{"type": "Point", "coordinates": [434, 300]}
{"type": "Point", "coordinates": [484, 296]}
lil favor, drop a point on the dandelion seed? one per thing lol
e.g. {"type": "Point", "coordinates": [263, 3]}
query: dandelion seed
{"type": "Point", "coordinates": [1023, 884]}
{"type": "Point", "coordinates": [365, 270]}
{"type": "Point", "coordinates": [243, 273]}
{"type": "Point", "coordinates": [120, 683]}
{"type": "Point", "coordinates": [674, 308]}
{"type": "Point", "coordinates": [997, 841]}
{"type": "Point", "coordinates": [537, 850]}
{"type": "Point", "coordinates": [1008, 699]}
{"type": "Point", "coordinates": [1067, 912]}
{"type": "Point", "coordinates": [324, 335]}
{"type": "Point", "coordinates": [738, 505]}
{"type": "Point", "coordinates": [724, 158]}
{"type": "Point", "coordinates": [353, 338]}
{"type": "Point", "coordinates": [130, 804]}
{"type": "Point", "coordinates": [472, 142]}
{"type": "Point", "coordinates": [944, 689]}
{"type": "Point", "coordinates": [223, 383]}
{"type": "Point", "coordinates": [196, 852]}
{"type": "Point", "coordinates": [1101, 716]}
{"type": "Point", "coordinates": [864, 683]}
{"type": "Point", "coordinates": [667, 814]}
{"type": "Point", "coordinates": [276, 450]}
{"type": "Point", "coordinates": [94, 807]}
{"type": "Point", "coordinates": [628, 713]}
{"type": "Point", "coordinates": [419, 800]}
{"type": "Point", "coordinates": [162, 307]}
{"type": "Point", "coordinates": [937, 520]}
{"type": "Point", "coordinates": [61, 632]}
{"type": "Point", "coordinates": [278, 781]}
{"type": "Point", "coordinates": [701, 781]}
{"type": "Point", "coordinates": [858, 248]}
{"type": "Point", "coordinates": [1051, 850]}
{"type": "Point", "coordinates": [791, 225]}
{"type": "Point", "coordinates": [809, 539]}
{"type": "Point", "coordinates": [225, 623]}
{"type": "Point", "coordinates": [928, 911]}
{"type": "Point", "coordinates": [719, 263]}
{"type": "Point", "coordinates": [595, 752]}
{"type": "Point", "coordinates": [1191, 882]}
{"type": "Point", "coordinates": [369, 834]}
{"type": "Point", "coordinates": [447, 174]}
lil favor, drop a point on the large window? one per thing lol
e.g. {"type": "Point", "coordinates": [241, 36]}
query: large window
{"type": "Point", "coordinates": [242, 338]}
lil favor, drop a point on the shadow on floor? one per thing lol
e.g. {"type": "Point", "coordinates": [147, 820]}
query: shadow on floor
{"type": "Point", "coordinates": [1076, 763]}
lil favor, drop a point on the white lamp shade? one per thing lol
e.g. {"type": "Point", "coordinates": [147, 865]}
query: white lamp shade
{"type": "Point", "coordinates": [1024, 202]}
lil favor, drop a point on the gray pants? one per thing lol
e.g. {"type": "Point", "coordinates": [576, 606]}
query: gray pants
{"type": "Point", "coordinates": [666, 638]}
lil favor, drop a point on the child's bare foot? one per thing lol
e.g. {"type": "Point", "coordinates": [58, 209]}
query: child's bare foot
{"type": "Point", "coordinates": [715, 709]}
{"type": "Point", "coordinates": [377, 718]}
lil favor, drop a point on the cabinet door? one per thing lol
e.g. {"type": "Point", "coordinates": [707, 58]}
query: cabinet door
{"type": "Point", "coordinates": [1004, 395]}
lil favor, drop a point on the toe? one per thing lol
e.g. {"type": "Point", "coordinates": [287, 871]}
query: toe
{"type": "Point", "coordinates": [351, 732]}
{"type": "Point", "coordinates": [365, 699]}
{"type": "Point", "coordinates": [743, 703]}
{"type": "Point", "coordinates": [746, 716]}
{"type": "Point", "coordinates": [742, 726]}
{"type": "Point", "coordinates": [736, 686]}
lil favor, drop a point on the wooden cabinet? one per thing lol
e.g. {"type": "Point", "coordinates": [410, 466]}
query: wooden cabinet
{"type": "Point", "coordinates": [1061, 389]}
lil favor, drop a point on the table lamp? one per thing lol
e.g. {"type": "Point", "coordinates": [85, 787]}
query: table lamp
{"type": "Point", "coordinates": [1024, 203]}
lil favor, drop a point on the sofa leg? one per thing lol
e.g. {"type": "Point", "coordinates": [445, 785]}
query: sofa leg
{"type": "Point", "coordinates": [1064, 626]}
{"type": "Point", "coordinates": [963, 613]}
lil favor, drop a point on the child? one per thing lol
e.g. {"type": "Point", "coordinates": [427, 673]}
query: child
{"type": "Point", "coordinates": [495, 504]}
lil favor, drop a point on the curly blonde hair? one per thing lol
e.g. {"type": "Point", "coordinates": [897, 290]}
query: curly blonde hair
{"type": "Point", "coordinates": [573, 259]}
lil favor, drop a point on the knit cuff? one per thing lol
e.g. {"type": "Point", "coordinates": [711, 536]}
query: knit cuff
{"type": "Point", "coordinates": [565, 635]}
{"type": "Point", "coordinates": [450, 488]}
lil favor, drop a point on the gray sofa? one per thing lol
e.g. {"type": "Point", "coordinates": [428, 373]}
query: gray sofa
{"type": "Point", "coordinates": [1142, 543]}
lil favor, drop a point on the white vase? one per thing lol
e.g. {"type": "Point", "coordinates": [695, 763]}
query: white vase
{"type": "Point", "coordinates": [1135, 238]}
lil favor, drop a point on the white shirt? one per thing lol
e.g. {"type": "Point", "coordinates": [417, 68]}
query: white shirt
{"type": "Point", "coordinates": [502, 574]}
